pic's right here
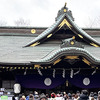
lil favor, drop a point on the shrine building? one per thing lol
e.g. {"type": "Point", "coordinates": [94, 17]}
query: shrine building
{"type": "Point", "coordinates": [50, 57]}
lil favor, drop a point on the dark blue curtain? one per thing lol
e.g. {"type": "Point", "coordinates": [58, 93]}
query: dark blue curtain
{"type": "Point", "coordinates": [37, 81]}
{"type": "Point", "coordinates": [77, 80]}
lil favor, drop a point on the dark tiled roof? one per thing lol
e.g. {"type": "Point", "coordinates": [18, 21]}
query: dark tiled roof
{"type": "Point", "coordinates": [12, 52]}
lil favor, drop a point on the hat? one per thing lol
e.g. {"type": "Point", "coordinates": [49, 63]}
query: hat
{"type": "Point", "coordinates": [36, 96]}
{"type": "Point", "coordinates": [91, 94]}
{"type": "Point", "coordinates": [78, 92]}
{"type": "Point", "coordinates": [85, 92]}
{"type": "Point", "coordinates": [43, 96]}
{"type": "Point", "coordinates": [98, 92]}
{"type": "Point", "coordinates": [69, 94]}
{"type": "Point", "coordinates": [35, 92]}
{"type": "Point", "coordinates": [31, 96]}
{"type": "Point", "coordinates": [58, 95]}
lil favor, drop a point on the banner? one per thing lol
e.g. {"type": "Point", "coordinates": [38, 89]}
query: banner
{"type": "Point", "coordinates": [4, 97]}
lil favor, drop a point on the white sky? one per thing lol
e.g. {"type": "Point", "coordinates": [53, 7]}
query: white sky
{"type": "Point", "coordinates": [43, 12]}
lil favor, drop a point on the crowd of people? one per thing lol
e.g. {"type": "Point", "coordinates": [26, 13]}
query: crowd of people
{"type": "Point", "coordinates": [84, 95]}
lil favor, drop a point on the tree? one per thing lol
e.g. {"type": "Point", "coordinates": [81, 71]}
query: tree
{"type": "Point", "coordinates": [93, 22]}
{"type": "Point", "coordinates": [3, 23]}
{"type": "Point", "coordinates": [22, 22]}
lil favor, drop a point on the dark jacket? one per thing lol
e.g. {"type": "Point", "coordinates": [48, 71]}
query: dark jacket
{"type": "Point", "coordinates": [83, 97]}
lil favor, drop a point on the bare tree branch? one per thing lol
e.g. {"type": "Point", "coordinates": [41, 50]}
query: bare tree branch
{"type": "Point", "coordinates": [22, 22]}
{"type": "Point", "coordinates": [93, 23]}
{"type": "Point", "coordinates": [3, 23]}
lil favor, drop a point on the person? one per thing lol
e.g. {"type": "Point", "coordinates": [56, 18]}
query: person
{"type": "Point", "coordinates": [95, 95]}
{"type": "Point", "coordinates": [65, 96]}
{"type": "Point", "coordinates": [91, 95]}
{"type": "Point", "coordinates": [43, 97]}
{"type": "Point", "coordinates": [22, 99]}
{"type": "Point", "coordinates": [13, 98]}
{"type": "Point", "coordinates": [69, 96]}
{"type": "Point", "coordinates": [36, 97]}
{"type": "Point", "coordinates": [76, 97]}
{"type": "Point", "coordinates": [53, 95]}
{"type": "Point", "coordinates": [98, 93]}
{"type": "Point", "coordinates": [73, 96]}
{"type": "Point", "coordinates": [98, 97]}
{"type": "Point", "coordinates": [31, 97]}
{"type": "Point", "coordinates": [27, 98]}
{"type": "Point", "coordinates": [78, 93]}
{"type": "Point", "coordinates": [47, 96]}
{"type": "Point", "coordinates": [84, 95]}
{"type": "Point", "coordinates": [92, 98]}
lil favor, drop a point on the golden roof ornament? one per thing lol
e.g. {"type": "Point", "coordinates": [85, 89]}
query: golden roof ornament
{"type": "Point", "coordinates": [65, 10]}
{"type": "Point", "coordinates": [65, 4]}
{"type": "Point", "coordinates": [73, 37]}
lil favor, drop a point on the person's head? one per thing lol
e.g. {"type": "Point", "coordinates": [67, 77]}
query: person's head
{"type": "Point", "coordinates": [35, 92]}
{"type": "Point", "coordinates": [78, 93]}
{"type": "Point", "coordinates": [95, 95]}
{"type": "Point", "coordinates": [99, 97]}
{"type": "Point", "coordinates": [43, 97]}
{"type": "Point", "coordinates": [69, 95]}
{"type": "Point", "coordinates": [47, 95]}
{"type": "Point", "coordinates": [53, 95]}
{"type": "Point", "coordinates": [73, 95]}
{"type": "Point", "coordinates": [76, 96]}
{"type": "Point", "coordinates": [91, 94]}
{"type": "Point", "coordinates": [64, 93]}
{"type": "Point", "coordinates": [98, 92]}
{"type": "Point", "coordinates": [85, 92]}
{"type": "Point", "coordinates": [58, 95]}
{"type": "Point", "coordinates": [22, 99]}
{"type": "Point", "coordinates": [36, 96]}
{"type": "Point", "coordinates": [92, 98]}
{"type": "Point", "coordinates": [23, 96]}
{"type": "Point", "coordinates": [31, 97]}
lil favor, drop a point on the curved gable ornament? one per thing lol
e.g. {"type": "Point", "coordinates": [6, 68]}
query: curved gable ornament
{"type": "Point", "coordinates": [68, 53]}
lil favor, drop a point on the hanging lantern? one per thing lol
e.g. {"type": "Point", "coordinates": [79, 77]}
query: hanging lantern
{"type": "Point", "coordinates": [18, 67]}
{"type": "Point", "coordinates": [17, 88]}
{"type": "Point", "coordinates": [15, 67]}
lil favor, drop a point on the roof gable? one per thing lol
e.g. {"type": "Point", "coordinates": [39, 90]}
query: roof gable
{"type": "Point", "coordinates": [64, 20]}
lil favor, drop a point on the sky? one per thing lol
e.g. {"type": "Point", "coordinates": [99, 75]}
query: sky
{"type": "Point", "coordinates": [42, 13]}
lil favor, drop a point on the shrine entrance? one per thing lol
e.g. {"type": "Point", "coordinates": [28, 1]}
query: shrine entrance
{"type": "Point", "coordinates": [67, 74]}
